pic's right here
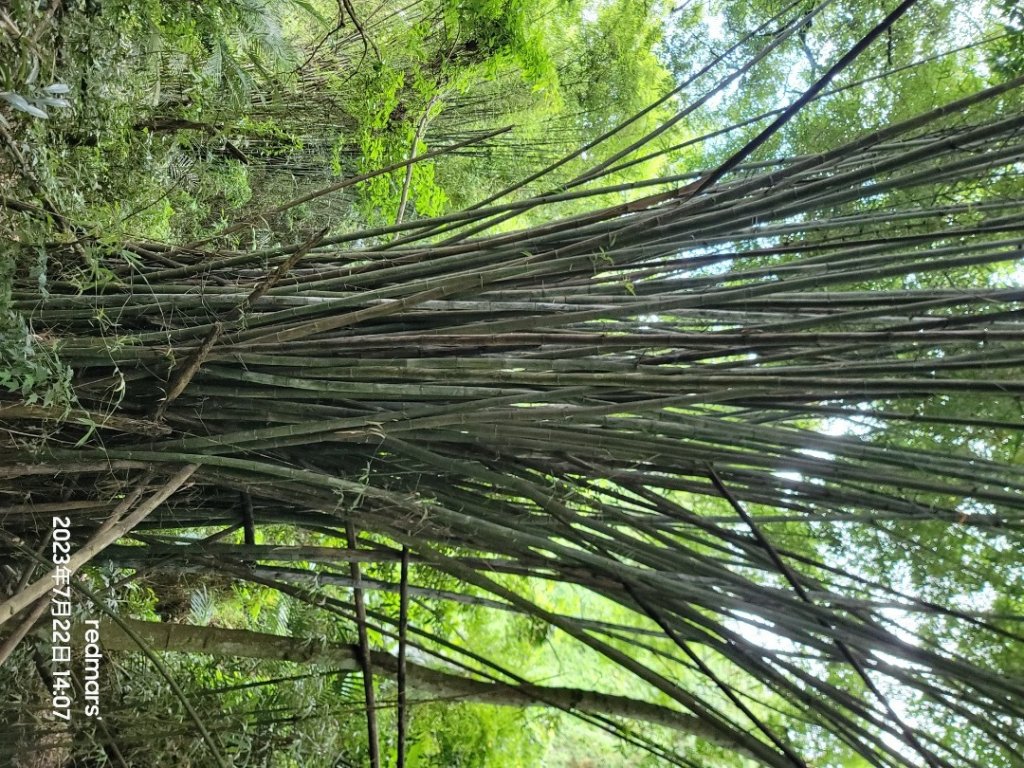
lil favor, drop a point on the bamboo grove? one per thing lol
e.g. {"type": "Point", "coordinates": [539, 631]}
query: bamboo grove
{"type": "Point", "coordinates": [633, 400]}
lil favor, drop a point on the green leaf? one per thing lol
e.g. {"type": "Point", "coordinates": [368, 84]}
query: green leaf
{"type": "Point", "coordinates": [19, 102]}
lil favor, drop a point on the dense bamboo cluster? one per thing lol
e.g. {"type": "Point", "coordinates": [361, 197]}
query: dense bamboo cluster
{"type": "Point", "coordinates": [630, 400]}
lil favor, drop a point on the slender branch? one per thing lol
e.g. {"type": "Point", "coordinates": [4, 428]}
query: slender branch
{"type": "Point", "coordinates": [365, 655]}
{"type": "Point", "coordinates": [403, 628]}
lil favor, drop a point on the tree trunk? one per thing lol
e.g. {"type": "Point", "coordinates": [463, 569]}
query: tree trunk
{"type": "Point", "coordinates": [427, 682]}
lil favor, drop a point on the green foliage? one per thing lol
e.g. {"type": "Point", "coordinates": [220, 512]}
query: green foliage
{"type": "Point", "coordinates": [616, 71]}
{"type": "Point", "coordinates": [395, 106]}
{"type": "Point", "coordinates": [26, 83]}
{"type": "Point", "coordinates": [30, 367]}
{"type": "Point", "coordinates": [460, 736]}
{"type": "Point", "coordinates": [502, 33]}
{"type": "Point", "coordinates": [1007, 54]}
